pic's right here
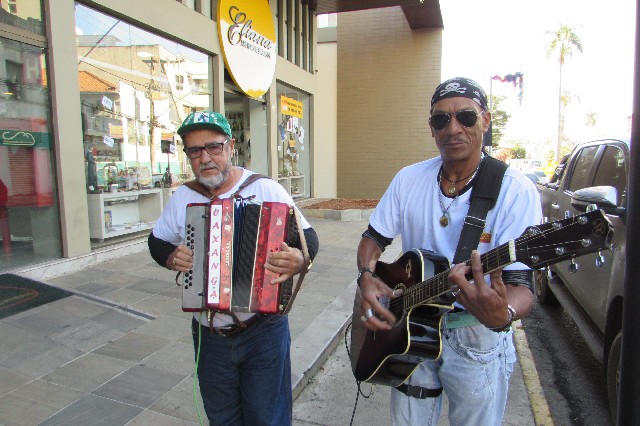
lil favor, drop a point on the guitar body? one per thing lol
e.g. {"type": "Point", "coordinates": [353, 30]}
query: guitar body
{"type": "Point", "coordinates": [389, 357]}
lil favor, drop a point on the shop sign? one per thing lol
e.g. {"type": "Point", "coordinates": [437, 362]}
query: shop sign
{"type": "Point", "coordinates": [248, 37]}
{"type": "Point", "coordinates": [292, 107]}
{"type": "Point", "coordinates": [26, 139]}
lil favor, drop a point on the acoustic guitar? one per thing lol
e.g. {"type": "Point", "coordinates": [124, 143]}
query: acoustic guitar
{"type": "Point", "coordinates": [389, 357]}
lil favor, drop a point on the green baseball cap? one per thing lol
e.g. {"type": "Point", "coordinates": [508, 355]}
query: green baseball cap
{"type": "Point", "coordinates": [205, 120]}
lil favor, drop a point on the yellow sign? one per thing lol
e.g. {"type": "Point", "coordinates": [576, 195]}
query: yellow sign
{"type": "Point", "coordinates": [289, 106]}
{"type": "Point", "coordinates": [248, 37]}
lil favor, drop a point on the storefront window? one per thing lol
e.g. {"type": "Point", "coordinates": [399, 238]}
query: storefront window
{"type": "Point", "coordinates": [136, 88]}
{"type": "Point", "coordinates": [23, 14]}
{"type": "Point", "coordinates": [294, 171]}
{"type": "Point", "coordinates": [29, 219]}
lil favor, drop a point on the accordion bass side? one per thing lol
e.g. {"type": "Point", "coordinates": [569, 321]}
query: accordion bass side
{"type": "Point", "coordinates": [231, 240]}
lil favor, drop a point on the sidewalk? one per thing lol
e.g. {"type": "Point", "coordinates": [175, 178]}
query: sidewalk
{"type": "Point", "coordinates": [120, 352]}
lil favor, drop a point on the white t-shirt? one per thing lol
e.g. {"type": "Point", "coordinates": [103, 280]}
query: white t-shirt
{"type": "Point", "coordinates": [171, 224]}
{"type": "Point", "coordinates": [411, 208]}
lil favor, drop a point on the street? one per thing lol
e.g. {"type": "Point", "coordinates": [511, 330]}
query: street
{"type": "Point", "coordinates": [572, 379]}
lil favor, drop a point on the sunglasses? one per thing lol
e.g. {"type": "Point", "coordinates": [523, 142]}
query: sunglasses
{"type": "Point", "coordinates": [211, 148]}
{"type": "Point", "coordinates": [466, 117]}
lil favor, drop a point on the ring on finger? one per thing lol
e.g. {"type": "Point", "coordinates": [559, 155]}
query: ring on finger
{"type": "Point", "coordinates": [456, 292]}
{"type": "Point", "coordinates": [369, 313]}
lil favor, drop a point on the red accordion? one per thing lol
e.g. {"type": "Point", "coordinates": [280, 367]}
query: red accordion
{"type": "Point", "coordinates": [231, 239]}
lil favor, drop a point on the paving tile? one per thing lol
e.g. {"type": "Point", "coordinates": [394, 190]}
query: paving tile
{"type": "Point", "coordinates": [140, 386]}
{"type": "Point", "coordinates": [87, 336]}
{"type": "Point", "coordinates": [157, 419]}
{"type": "Point", "coordinates": [44, 322]}
{"type": "Point", "coordinates": [158, 305]}
{"type": "Point", "coordinates": [87, 372]}
{"type": "Point", "coordinates": [126, 296]}
{"type": "Point", "coordinates": [38, 357]}
{"type": "Point", "coordinates": [94, 288]}
{"type": "Point", "coordinates": [34, 402]}
{"type": "Point", "coordinates": [120, 320]}
{"type": "Point", "coordinates": [79, 306]}
{"type": "Point", "coordinates": [153, 286]}
{"type": "Point", "coordinates": [172, 328]}
{"type": "Point", "coordinates": [180, 403]}
{"type": "Point", "coordinates": [95, 411]}
{"type": "Point", "coordinates": [11, 380]}
{"type": "Point", "coordinates": [132, 347]}
{"type": "Point", "coordinates": [176, 357]}
{"type": "Point", "coordinates": [12, 336]}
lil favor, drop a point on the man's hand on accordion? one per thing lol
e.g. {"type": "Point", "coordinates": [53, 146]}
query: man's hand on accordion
{"type": "Point", "coordinates": [181, 259]}
{"type": "Point", "coordinates": [287, 262]}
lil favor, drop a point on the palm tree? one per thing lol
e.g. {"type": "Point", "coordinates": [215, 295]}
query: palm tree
{"type": "Point", "coordinates": [563, 40]}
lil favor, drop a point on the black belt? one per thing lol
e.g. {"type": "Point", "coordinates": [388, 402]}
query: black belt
{"type": "Point", "coordinates": [418, 391]}
{"type": "Point", "coordinates": [234, 329]}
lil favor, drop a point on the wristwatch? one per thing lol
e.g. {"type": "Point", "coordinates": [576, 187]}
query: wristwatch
{"type": "Point", "coordinates": [512, 316]}
{"type": "Point", "coordinates": [362, 271]}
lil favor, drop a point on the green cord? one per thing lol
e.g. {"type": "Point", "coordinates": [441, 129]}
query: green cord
{"type": "Point", "coordinates": [195, 376]}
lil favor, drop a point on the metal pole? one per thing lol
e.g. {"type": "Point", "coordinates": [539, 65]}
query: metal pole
{"type": "Point", "coordinates": [629, 392]}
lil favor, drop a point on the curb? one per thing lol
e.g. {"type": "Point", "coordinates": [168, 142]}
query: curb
{"type": "Point", "coordinates": [349, 215]}
{"type": "Point", "coordinates": [539, 406]}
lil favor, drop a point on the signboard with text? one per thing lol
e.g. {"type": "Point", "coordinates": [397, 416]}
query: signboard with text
{"type": "Point", "coordinates": [248, 37]}
{"type": "Point", "coordinates": [290, 106]}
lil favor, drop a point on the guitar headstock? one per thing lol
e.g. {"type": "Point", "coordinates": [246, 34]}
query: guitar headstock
{"type": "Point", "coordinates": [550, 243]}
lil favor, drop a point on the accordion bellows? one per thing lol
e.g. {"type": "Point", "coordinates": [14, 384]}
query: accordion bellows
{"type": "Point", "coordinates": [231, 239]}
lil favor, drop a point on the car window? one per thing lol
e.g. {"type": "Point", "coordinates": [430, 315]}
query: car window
{"type": "Point", "coordinates": [580, 176]}
{"type": "Point", "coordinates": [612, 171]}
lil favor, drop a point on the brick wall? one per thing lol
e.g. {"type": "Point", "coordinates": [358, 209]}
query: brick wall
{"type": "Point", "coordinates": [386, 75]}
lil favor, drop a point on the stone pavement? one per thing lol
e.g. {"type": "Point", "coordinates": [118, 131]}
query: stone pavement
{"type": "Point", "coordinates": [119, 350]}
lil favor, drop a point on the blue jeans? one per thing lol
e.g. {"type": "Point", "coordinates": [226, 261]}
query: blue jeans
{"type": "Point", "coordinates": [473, 369]}
{"type": "Point", "coordinates": [246, 379]}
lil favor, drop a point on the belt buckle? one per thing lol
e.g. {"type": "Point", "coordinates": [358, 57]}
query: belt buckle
{"type": "Point", "coordinates": [228, 332]}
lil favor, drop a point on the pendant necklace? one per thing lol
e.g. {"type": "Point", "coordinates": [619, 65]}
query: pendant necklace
{"type": "Point", "coordinates": [444, 220]}
{"type": "Point", "coordinates": [453, 190]}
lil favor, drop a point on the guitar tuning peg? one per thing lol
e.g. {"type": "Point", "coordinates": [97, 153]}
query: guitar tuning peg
{"type": "Point", "coordinates": [600, 260]}
{"type": "Point", "coordinates": [573, 266]}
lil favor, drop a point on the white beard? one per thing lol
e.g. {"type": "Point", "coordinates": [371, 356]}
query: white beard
{"type": "Point", "coordinates": [214, 182]}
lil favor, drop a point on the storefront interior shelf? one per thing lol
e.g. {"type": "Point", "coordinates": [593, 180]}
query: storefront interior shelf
{"type": "Point", "coordinates": [293, 184]}
{"type": "Point", "coordinates": [118, 213]}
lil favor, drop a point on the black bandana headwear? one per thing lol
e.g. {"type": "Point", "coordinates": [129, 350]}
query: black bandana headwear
{"type": "Point", "coordinates": [460, 87]}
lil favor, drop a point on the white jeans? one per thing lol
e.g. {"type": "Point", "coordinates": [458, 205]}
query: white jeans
{"type": "Point", "coordinates": [474, 369]}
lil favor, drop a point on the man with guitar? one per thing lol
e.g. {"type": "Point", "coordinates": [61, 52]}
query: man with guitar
{"type": "Point", "coordinates": [427, 204]}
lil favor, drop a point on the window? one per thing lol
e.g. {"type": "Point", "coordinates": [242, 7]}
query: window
{"type": "Point", "coordinates": [583, 166]}
{"type": "Point", "coordinates": [612, 171]}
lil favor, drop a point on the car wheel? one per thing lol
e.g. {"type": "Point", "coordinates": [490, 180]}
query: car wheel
{"type": "Point", "coordinates": [543, 293]}
{"type": "Point", "coordinates": [613, 375]}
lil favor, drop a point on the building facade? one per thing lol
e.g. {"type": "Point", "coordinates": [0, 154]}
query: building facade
{"type": "Point", "coordinates": [92, 92]}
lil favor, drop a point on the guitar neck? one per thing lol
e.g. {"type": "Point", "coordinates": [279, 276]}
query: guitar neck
{"type": "Point", "coordinates": [439, 284]}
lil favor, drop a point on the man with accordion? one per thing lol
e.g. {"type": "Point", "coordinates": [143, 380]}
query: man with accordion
{"type": "Point", "coordinates": [242, 349]}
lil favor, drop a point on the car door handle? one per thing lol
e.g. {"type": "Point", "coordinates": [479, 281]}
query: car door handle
{"type": "Point", "coordinates": [555, 206]}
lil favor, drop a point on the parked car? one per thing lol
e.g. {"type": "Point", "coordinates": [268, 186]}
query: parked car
{"type": "Point", "coordinates": [542, 176]}
{"type": "Point", "coordinates": [590, 289]}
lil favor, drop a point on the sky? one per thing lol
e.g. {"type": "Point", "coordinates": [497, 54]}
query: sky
{"type": "Point", "coordinates": [500, 37]}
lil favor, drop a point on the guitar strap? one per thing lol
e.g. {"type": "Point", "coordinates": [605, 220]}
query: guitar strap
{"type": "Point", "coordinates": [483, 197]}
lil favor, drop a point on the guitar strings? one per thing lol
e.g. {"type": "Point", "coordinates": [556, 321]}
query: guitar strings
{"type": "Point", "coordinates": [440, 283]}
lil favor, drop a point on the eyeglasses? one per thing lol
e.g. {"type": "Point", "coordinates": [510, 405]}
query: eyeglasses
{"type": "Point", "coordinates": [214, 148]}
{"type": "Point", "coordinates": [466, 117]}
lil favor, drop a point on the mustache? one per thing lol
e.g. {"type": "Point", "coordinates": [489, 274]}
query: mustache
{"type": "Point", "coordinates": [454, 139]}
{"type": "Point", "coordinates": [208, 166]}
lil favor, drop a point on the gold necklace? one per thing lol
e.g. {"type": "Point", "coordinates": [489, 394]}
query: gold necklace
{"type": "Point", "coordinates": [453, 190]}
{"type": "Point", "coordinates": [444, 220]}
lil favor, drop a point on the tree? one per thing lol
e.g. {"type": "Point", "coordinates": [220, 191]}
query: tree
{"type": "Point", "coordinates": [562, 42]}
{"type": "Point", "coordinates": [518, 152]}
{"type": "Point", "coordinates": [590, 119]}
{"type": "Point", "coordinates": [499, 119]}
